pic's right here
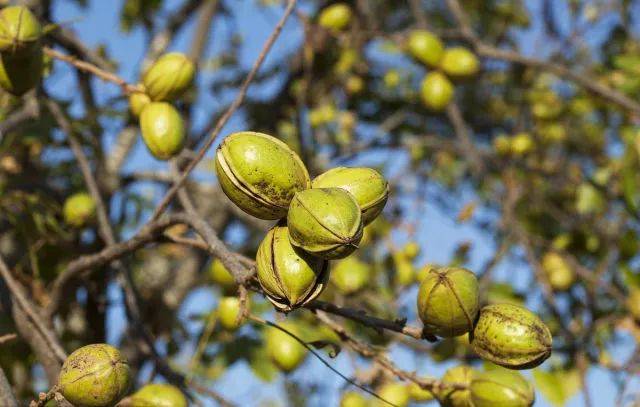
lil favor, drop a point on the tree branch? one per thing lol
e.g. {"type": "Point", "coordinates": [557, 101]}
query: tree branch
{"type": "Point", "coordinates": [32, 313]}
{"type": "Point", "coordinates": [488, 51]}
{"type": "Point", "coordinates": [203, 29]}
{"type": "Point", "coordinates": [317, 356]}
{"type": "Point", "coordinates": [462, 134]}
{"type": "Point", "coordinates": [29, 110]}
{"type": "Point", "coordinates": [398, 325]}
{"type": "Point", "coordinates": [94, 70]}
{"type": "Point", "coordinates": [110, 253]}
{"type": "Point", "coordinates": [367, 351]}
{"type": "Point", "coordinates": [164, 203]}
{"type": "Point", "coordinates": [6, 393]}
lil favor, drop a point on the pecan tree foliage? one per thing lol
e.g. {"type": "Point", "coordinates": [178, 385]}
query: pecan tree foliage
{"type": "Point", "coordinates": [538, 149]}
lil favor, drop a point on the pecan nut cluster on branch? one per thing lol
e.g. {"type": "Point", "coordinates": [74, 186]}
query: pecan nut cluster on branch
{"type": "Point", "coordinates": [330, 245]}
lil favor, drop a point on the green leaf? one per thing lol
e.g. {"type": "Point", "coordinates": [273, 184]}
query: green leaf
{"type": "Point", "coordinates": [631, 279]}
{"type": "Point", "coordinates": [489, 367]}
{"type": "Point", "coordinates": [333, 349]}
{"type": "Point", "coordinates": [240, 348]}
{"type": "Point", "coordinates": [134, 12]}
{"type": "Point", "coordinates": [629, 175]}
{"type": "Point", "coordinates": [261, 366]}
{"type": "Point", "coordinates": [390, 47]}
{"type": "Point", "coordinates": [628, 63]}
{"type": "Point", "coordinates": [558, 386]}
{"type": "Point", "coordinates": [213, 369]}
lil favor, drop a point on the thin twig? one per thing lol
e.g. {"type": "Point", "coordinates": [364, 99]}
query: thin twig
{"type": "Point", "coordinates": [462, 134]}
{"type": "Point", "coordinates": [44, 398]}
{"type": "Point", "coordinates": [185, 241]}
{"type": "Point", "coordinates": [361, 317]}
{"type": "Point", "coordinates": [317, 355]}
{"type": "Point", "coordinates": [6, 393]}
{"type": "Point", "coordinates": [367, 351]}
{"type": "Point", "coordinates": [85, 167]}
{"type": "Point", "coordinates": [161, 40]}
{"type": "Point", "coordinates": [28, 307]}
{"type": "Point", "coordinates": [240, 272]}
{"type": "Point", "coordinates": [120, 150]}
{"type": "Point", "coordinates": [203, 29]}
{"type": "Point", "coordinates": [583, 365]}
{"type": "Point", "coordinates": [30, 110]}
{"type": "Point", "coordinates": [71, 43]}
{"type": "Point", "coordinates": [212, 321]}
{"type": "Point", "coordinates": [488, 51]}
{"type": "Point", "coordinates": [200, 389]}
{"type": "Point", "coordinates": [243, 295]}
{"type": "Point", "coordinates": [106, 231]}
{"type": "Point", "coordinates": [7, 338]}
{"type": "Point", "coordinates": [94, 70]}
{"type": "Point", "coordinates": [164, 203]}
{"type": "Point", "coordinates": [110, 253]}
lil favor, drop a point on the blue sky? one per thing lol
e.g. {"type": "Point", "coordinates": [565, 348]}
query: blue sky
{"type": "Point", "coordinates": [99, 24]}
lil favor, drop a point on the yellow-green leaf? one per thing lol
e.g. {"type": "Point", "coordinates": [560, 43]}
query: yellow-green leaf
{"type": "Point", "coordinates": [558, 386]}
